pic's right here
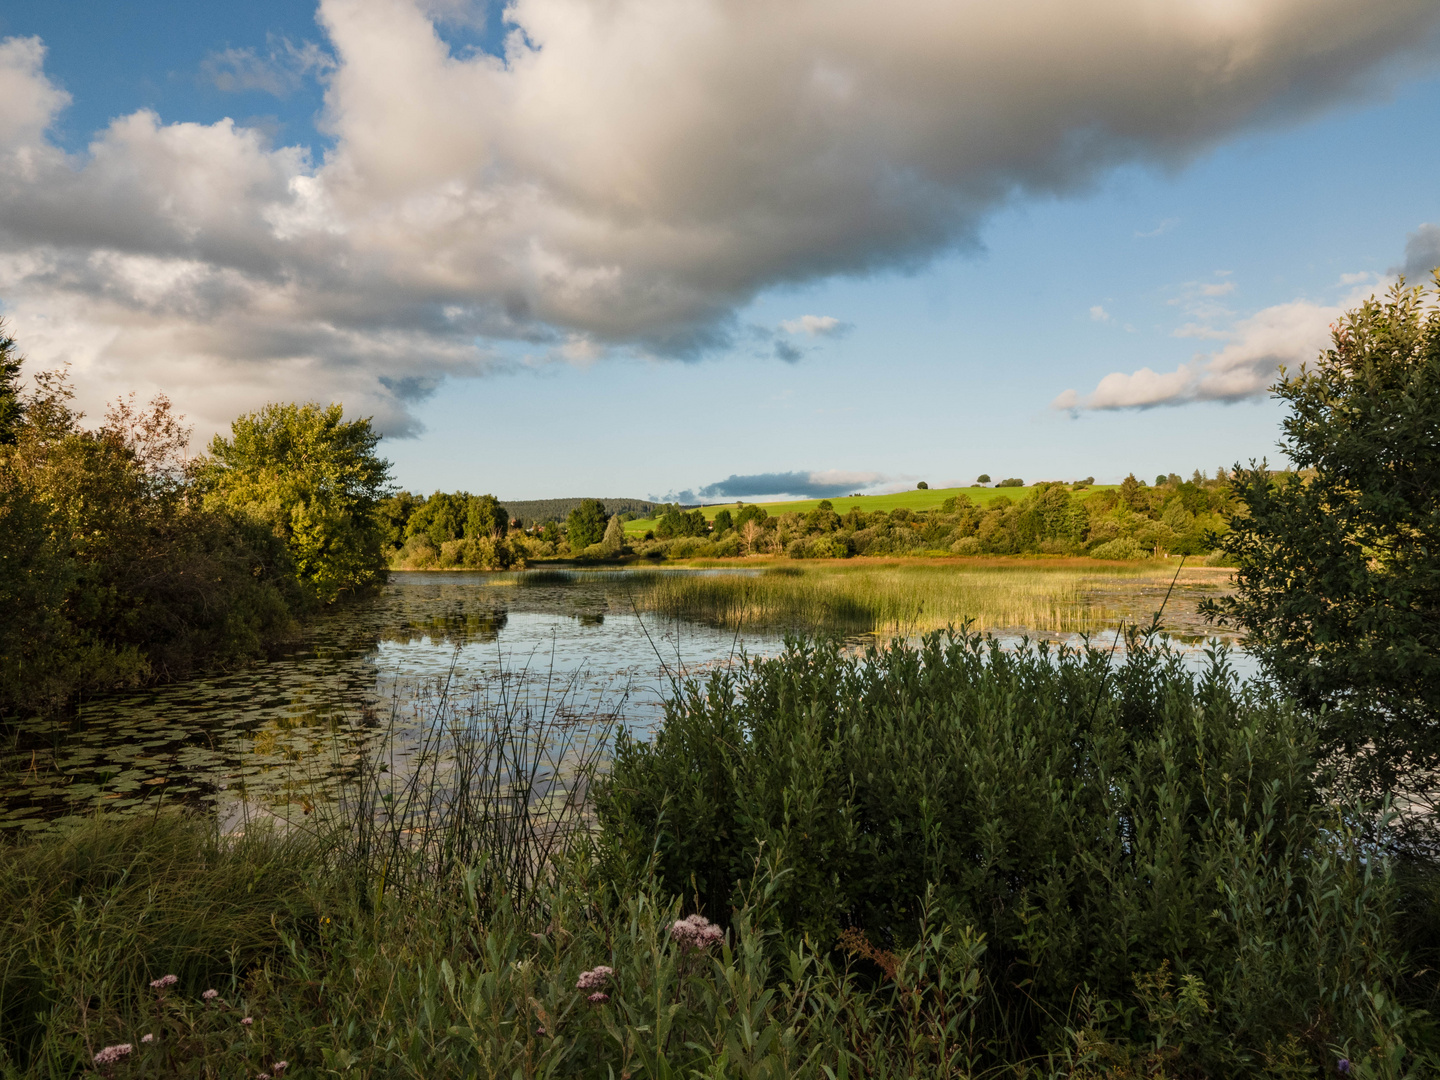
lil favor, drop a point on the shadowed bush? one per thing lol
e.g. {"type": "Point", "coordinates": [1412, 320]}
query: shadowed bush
{"type": "Point", "coordinates": [1092, 829]}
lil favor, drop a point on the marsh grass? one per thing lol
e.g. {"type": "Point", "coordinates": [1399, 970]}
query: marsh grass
{"type": "Point", "coordinates": [894, 597]}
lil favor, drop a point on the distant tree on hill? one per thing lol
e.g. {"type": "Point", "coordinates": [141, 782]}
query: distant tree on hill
{"type": "Point", "coordinates": [983, 478]}
{"type": "Point", "coordinates": [1013, 481]}
{"type": "Point", "coordinates": [586, 524]}
{"type": "Point", "coordinates": [922, 486]}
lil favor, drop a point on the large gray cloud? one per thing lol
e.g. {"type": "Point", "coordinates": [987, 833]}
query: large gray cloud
{"type": "Point", "coordinates": [626, 176]}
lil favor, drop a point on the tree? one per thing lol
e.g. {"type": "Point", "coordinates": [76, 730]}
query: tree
{"type": "Point", "coordinates": [586, 524]}
{"type": "Point", "coordinates": [922, 486]}
{"type": "Point", "coordinates": [12, 408]}
{"type": "Point", "coordinates": [983, 478]}
{"type": "Point", "coordinates": [1338, 586]}
{"type": "Point", "coordinates": [315, 479]}
{"type": "Point", "coordinates": [614, 541]}
{"type": "Point", "coordinates": [723, 522]}
{"type": "Point", "coordinates": [485, 517]}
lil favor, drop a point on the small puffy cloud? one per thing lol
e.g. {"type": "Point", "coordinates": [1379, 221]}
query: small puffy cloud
{"type": "Point", "coordinates": [1099, 314]}
{"type": "Point", "coordinates": [802, 485]}
{"type": "Point", "coordinates": [815, 326]}
{"type": "Point", "coordinates": [1286, 334]}
{"type": "Point", "coordinates": [1217, 288]}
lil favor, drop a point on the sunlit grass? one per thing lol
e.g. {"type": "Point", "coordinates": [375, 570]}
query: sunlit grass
{"type": "Point", "coordinates": [896, 597]}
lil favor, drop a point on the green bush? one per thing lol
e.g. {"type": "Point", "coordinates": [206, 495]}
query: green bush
{"type": "Point", "coordinates": [1123, 548]}
{"type": "Point", "coordinates": [1091, 829]}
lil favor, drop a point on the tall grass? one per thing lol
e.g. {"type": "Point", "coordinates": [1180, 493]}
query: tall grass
{"type": "Point", "coordinates": [884, 598]}
{"type": "Point", "coordinates": [439, 924]}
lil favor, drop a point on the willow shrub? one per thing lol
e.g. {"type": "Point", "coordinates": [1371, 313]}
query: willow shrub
{"type": "Point", "coordinates": [1096, 832]}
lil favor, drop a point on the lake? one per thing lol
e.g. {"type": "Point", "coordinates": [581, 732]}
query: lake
{"type": "Point", "coordinates": [282, 737]}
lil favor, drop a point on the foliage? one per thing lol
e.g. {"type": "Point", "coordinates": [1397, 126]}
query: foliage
{"type": "Point", "coordinates": [536, 512]}
{"type": "Point", "coordinates": [1013, 481]}
{"type": "Point", "coordinates": [1339, 579]}
{"type": "Point", "coordinates": [12, 407]}
{"type": "Point", "coordinates": [111, 572]}
{"type": "Point", "coordinates": [922, 486]}
{"type": "Point", "coordinates": [315, 479]}
{"type": "Point", "coordinates": [586, 524]}
{"type": "Point", "coordinates": [675, 522]}
{"type": "Point", "coordinates": [446, 923]}
{"type": "Point", "coordinates": [983, 478]}
{"type": "Point", "coordinates": [1091, 829]}
{"type": "Point", "coordinates": [614, 539]}
{"type": "Point", "coordinates": [1132, 522]}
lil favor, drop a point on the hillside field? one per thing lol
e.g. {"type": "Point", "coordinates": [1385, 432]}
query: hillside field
{"type": "Point", "coordinates": [914, 499]}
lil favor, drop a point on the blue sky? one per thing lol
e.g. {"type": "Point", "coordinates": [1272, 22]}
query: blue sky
{"type": "Point", "coordinates": [927, 355]}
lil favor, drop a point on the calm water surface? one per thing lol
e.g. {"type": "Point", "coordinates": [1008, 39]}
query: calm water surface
{"type": "Point", "coordinates": [282, 736]}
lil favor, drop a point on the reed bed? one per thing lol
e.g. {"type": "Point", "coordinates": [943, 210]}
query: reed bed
{"type": "Point", "coordinates": [893, 597]}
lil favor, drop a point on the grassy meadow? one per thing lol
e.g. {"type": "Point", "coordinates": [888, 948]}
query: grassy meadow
{"type": "Point", "coordinates": [914, 499]}
{"type": "Point", "coordinates": [906, 596]}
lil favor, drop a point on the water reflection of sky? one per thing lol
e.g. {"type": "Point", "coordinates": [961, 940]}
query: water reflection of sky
{"type": "Point", "coordinates": [281, 736]}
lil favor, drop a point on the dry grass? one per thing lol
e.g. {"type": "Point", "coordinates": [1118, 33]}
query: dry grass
{"type": "Point", "coordinates": [900, 596]}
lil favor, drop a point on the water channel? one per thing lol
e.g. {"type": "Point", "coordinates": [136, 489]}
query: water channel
{"type": "Point", "coordinates": [282, 736]}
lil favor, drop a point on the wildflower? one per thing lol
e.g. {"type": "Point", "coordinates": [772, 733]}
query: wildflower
{"type": "Point", "coordinates": [164, 981]}
{"type": "Point", "coordinates": [279, 1067]}
{"type": "Point", "coordinates": [112, 1055]}
{"type": "Point", "coordinates": [210, 995]}
{"type": "Point", "coordinates": [1343, 1066]}
{"type": "Point", "coordinates": [248, 1021]}
{"type": "Point", "coordinates": [540, 1031]}
{"type": "Point", "coordinates": [598, 998]}
{"type": "Point", "coordinates": [262, 1076]}
{"type": "Point", "coordinates": [595, 978]}
{"type": "Point", "coordinates": [148, 1037]}
{"type": "Point", "coordinates": [696, 933]}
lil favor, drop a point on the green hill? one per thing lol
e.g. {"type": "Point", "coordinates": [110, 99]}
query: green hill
{"type": "Point", "coordinates": [914, 499]}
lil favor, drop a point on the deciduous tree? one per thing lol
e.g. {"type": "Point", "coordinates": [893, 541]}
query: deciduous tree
{"type": "Point", "coordinates": [1339, 562]}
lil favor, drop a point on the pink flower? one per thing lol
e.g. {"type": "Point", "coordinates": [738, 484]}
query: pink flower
{"type": "Point", "coordinates": [279, 1067]}
{"type": "Point", "coordinates": [595, 978]}
{"type": "Point", "coordinates": [149, 1038]}
{"type": "Point", "coordinates": [210, 995]}
{"type": "Point", "coordinates": [598, 998]}
{"type": "Point", "coordinates": [112, 1055]}
{"type": "Point", "coordinates": [248, 1021]}
{"type": "Point", "coordinates": [164, 981]}
{"type": "Point", "coordinates": [262, 1076]}
{"type": "Point", "coordinates": [696, 933]}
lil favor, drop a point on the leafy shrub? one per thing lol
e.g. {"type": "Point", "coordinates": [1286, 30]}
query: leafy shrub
{"type": "Point", "coordinates": [1013, 481]}
{"type": "Point", "coordinates": [1123, 548]}
{"type": "Point", "coordinates": [1093, 829]}
{"type": "Point", "coordinates": [966, 545]}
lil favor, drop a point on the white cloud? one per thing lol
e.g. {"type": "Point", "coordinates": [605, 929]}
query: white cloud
{"type": "Point", "coordinates": [814, 325]}
{"type": "Point", "coordinates": [1099, 314]}
{"type": "Point", "coordinates": [626, 177]}
{"type": "Point", "coordinates": [280, 72]}
{"type": "Point", "coordinates": [1286, 334]}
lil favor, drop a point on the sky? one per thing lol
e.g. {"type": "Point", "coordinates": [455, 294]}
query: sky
{"type": "Point", "coordinates": [716, 249]}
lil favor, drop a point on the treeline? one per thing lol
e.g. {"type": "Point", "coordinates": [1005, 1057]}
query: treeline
{"type": "Point", "coordinates": [462, 531]}
{"type": "Point", "coordinates": [532, 512]}
{"type": "Point", "coordinates": [1135, 521]}
{"type": "Point", "coordinates": [124, 561]}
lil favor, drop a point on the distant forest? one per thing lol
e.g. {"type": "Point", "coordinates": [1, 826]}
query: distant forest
{"type": "Point", "coordinates": [538, 511]}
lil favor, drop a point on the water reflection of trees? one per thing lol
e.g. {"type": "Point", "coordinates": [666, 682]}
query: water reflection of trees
{"type": "Point", "coordinates": [455, 627]}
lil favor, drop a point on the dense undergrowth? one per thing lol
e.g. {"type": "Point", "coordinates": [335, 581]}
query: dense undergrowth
{"type": "Point", "coordinates": [944, 861]}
